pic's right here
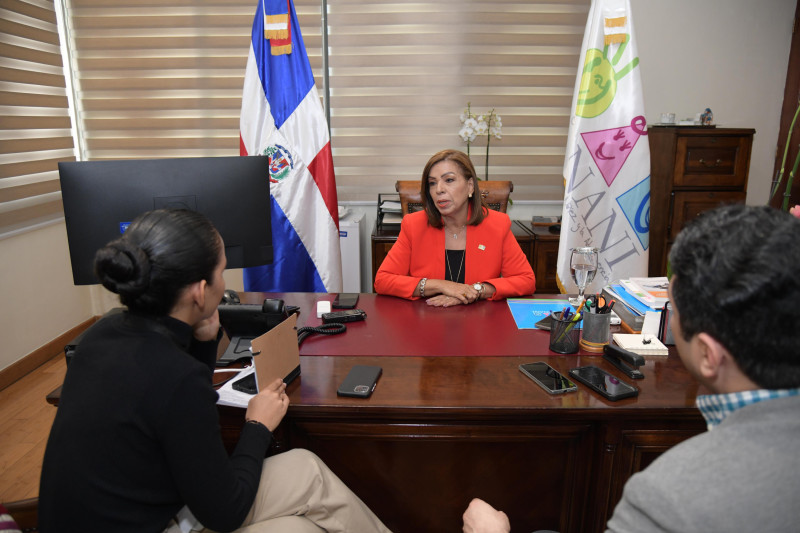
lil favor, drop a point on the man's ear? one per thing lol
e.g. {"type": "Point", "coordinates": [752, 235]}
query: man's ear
{"type": "Point", "coordinates": [712, 356]}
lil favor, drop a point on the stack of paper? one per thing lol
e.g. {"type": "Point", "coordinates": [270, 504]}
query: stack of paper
{"type": "Point", "coordinates": [640, 344]}
{"type": "Point", "coordinates": [650, 291]}
{"type": "Point", "coordinates": [635, 298]}
{"type": "Point", "coordinates": [391, 206]}
{"type": "Point", "coordinates": [392, 212]}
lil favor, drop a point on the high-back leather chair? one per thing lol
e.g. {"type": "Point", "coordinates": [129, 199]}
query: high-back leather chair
{"type": "Point", "coordinates": [494, 193]}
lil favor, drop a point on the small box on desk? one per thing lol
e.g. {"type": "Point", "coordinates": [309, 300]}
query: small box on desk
{"type": "Point", "coordinates": [631, 322]}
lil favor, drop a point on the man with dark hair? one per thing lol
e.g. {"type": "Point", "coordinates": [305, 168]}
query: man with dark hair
{"type": "Point", "coordinates": [736, 298]}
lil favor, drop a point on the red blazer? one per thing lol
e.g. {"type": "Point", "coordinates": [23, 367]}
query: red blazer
{"type": "Point", "coordinates": [493, 256]}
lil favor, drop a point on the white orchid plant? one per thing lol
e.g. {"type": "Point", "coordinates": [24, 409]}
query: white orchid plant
{"type": "Point", "coordinates": [489, 124]}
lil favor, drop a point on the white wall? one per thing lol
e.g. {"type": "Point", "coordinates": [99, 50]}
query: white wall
{"type": "Point", "coordinates": [40, 301]}
{"type": "Point", "coordinates": [729, 55]}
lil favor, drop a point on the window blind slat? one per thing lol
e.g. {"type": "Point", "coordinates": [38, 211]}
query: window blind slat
{"type": "Point", "coordinates": [33, 166]}
{"type": "Point", "coordinates": [18, 146]}
{"type": "Point", "coordinates": [8, 194]}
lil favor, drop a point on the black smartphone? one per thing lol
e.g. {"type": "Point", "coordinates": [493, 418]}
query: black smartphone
{"type": "Point", "coordinates": [246, 384]}
{"type": "Point", "coordinates": [547, 378]}
{"type": "Point", "coordinates": [606, 385]}
{"type": "Point", "coordinates": [544, 323]}
{"type": "Point", "coordinates": [360, 381]}
{"type": "Point", "coordinates": [345, 300]}
{"type": "Point", "coordinates": [349, 315]}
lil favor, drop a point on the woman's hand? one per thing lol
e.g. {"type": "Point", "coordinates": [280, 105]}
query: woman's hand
{"type": "Point", "coordinates": [465, 294]}
{"type": "Point", "coordinates": [207, 329]}
{"type": "Point", "coordinates": [442, 300]}
{"type": "Point", "coordinates": [269, 406]}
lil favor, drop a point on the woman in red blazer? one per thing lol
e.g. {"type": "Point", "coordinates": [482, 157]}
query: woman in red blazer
{"type": "Point", "coordinates": [455, 251]}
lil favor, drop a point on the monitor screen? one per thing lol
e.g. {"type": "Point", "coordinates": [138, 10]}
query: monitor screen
{"type": "Point", "coordinates": [102, 197]}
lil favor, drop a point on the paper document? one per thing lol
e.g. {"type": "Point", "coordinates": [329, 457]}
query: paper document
{"type": "Point", "coordinates": [276, 354]}
{"type": "Point", "coordinates": [231, 397]}
{"type": "Point", "coordinates": [650, 291]}
{"type": "Point", "coordinates": [389, 205]}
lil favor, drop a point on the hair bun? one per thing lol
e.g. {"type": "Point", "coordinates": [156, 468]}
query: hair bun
{"type": "Point", "coordinates": [123, 268]}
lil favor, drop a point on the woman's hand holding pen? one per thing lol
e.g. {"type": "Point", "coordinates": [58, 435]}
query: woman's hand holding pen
{"type": "Point", "coordinates": [269, 405]}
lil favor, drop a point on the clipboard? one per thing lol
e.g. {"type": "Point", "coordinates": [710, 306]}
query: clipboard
{"type": "Point", "coordinates": [276, 353]}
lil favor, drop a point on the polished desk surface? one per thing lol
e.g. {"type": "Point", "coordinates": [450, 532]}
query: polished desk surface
{"type": "Point", "coordinates": [454, 418]}
{"type": "Point", "coordinates": [456, 379]}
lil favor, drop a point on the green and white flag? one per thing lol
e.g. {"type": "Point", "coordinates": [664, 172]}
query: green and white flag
{"type": "Point", "coordinates": [607, 163]}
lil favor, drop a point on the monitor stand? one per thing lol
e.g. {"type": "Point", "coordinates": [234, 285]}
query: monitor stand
{"type": "Point", "coordinates": [238, 348]}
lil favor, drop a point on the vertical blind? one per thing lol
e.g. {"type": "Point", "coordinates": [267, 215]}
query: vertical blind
{"type": "Point", "coordinates": [163, 78]}
{"type": "Point", "coordinates": [35, 125]}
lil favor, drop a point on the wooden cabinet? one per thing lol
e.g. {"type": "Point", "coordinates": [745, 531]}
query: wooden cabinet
{"type": "Point", "coordinates": [545, 260]}
{"type": "Point", "coordinates": [539, 245]}
{"type": "Point", "coordinates": [693, 169]}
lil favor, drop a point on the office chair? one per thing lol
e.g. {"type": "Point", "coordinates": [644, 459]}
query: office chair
{"type": "Point", "coordinates": [494, 193]}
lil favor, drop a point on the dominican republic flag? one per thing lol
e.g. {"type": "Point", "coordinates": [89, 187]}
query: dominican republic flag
{"type": "Point", "coordinates": [607, 162]}
{"type": "Point", "coordinates": [282, 119]}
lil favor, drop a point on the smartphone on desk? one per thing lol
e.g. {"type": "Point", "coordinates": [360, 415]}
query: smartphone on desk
{"type": "Point", "coordinates": [606, 385]}
{"type": "Point", "coordinates": [547, 378]}
{"type": "Point", "coordinates": [360, 381]}
{"type": "Point", "coordinates": [345, 300]}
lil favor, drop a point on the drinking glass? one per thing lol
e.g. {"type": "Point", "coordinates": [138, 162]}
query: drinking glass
{"type": "Point", "coordinates": [583, 267]}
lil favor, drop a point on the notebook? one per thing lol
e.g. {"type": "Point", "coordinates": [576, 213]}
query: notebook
{"type": "Point", "coordinates": [640, 344]}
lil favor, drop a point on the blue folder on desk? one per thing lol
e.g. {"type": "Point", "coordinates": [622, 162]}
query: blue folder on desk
{"type": "Point", "coordinates": [631, 301]}
{"type": "Point", "coordinates": [527, 312]}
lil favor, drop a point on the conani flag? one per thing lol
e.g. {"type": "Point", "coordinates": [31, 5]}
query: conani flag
{"type": "Point", "coordinates": [282, 119]}
{"type": "Point", "coordinates": [607, 163]}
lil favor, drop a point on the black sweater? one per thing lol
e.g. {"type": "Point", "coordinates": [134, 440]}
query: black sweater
{"type": "Point", "coordinates": [137, 436]}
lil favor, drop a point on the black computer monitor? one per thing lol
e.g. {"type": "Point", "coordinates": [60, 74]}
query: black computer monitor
{"type": "Point", "coordinates": [102, 197]}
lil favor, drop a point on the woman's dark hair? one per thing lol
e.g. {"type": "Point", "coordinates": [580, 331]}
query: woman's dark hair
{"type": "Point", "coordinates": [160, 254]}
{"type": "Point", "coordinates": [477, 212]}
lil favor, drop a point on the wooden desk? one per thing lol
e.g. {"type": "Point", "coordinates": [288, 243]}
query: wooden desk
{"type": "Point", "coordinates": [539, 245]}
{"type": "Point", "coordinates": [439, 431]}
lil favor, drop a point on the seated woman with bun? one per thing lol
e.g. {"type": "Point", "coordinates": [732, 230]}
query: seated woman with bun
{"type": "Point", "coordinates": [136, 442]}
{"type": "Point", "coordinates": [456, 250]}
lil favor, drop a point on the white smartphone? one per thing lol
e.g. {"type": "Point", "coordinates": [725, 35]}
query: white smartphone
{"type": "Point", "coordinates": [548, 378]}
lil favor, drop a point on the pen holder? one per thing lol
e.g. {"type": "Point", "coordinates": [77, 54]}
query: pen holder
{"type": "Point", "coordinates": [596, 332]}
{"type": "Point", "coordinates": [564, 334]}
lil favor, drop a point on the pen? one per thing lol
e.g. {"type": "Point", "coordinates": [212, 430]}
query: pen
{"type": "Point", "coordinates": [571, 325]}
{"type": "Point", "coordinates": [610, 305]}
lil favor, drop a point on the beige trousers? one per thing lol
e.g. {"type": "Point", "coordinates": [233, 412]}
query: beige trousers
{"type": "Point", "coordinates": [299, 493]}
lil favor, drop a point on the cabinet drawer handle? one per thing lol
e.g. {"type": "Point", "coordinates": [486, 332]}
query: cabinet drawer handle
{"type": "Point", "coordinates": [715, 164]}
